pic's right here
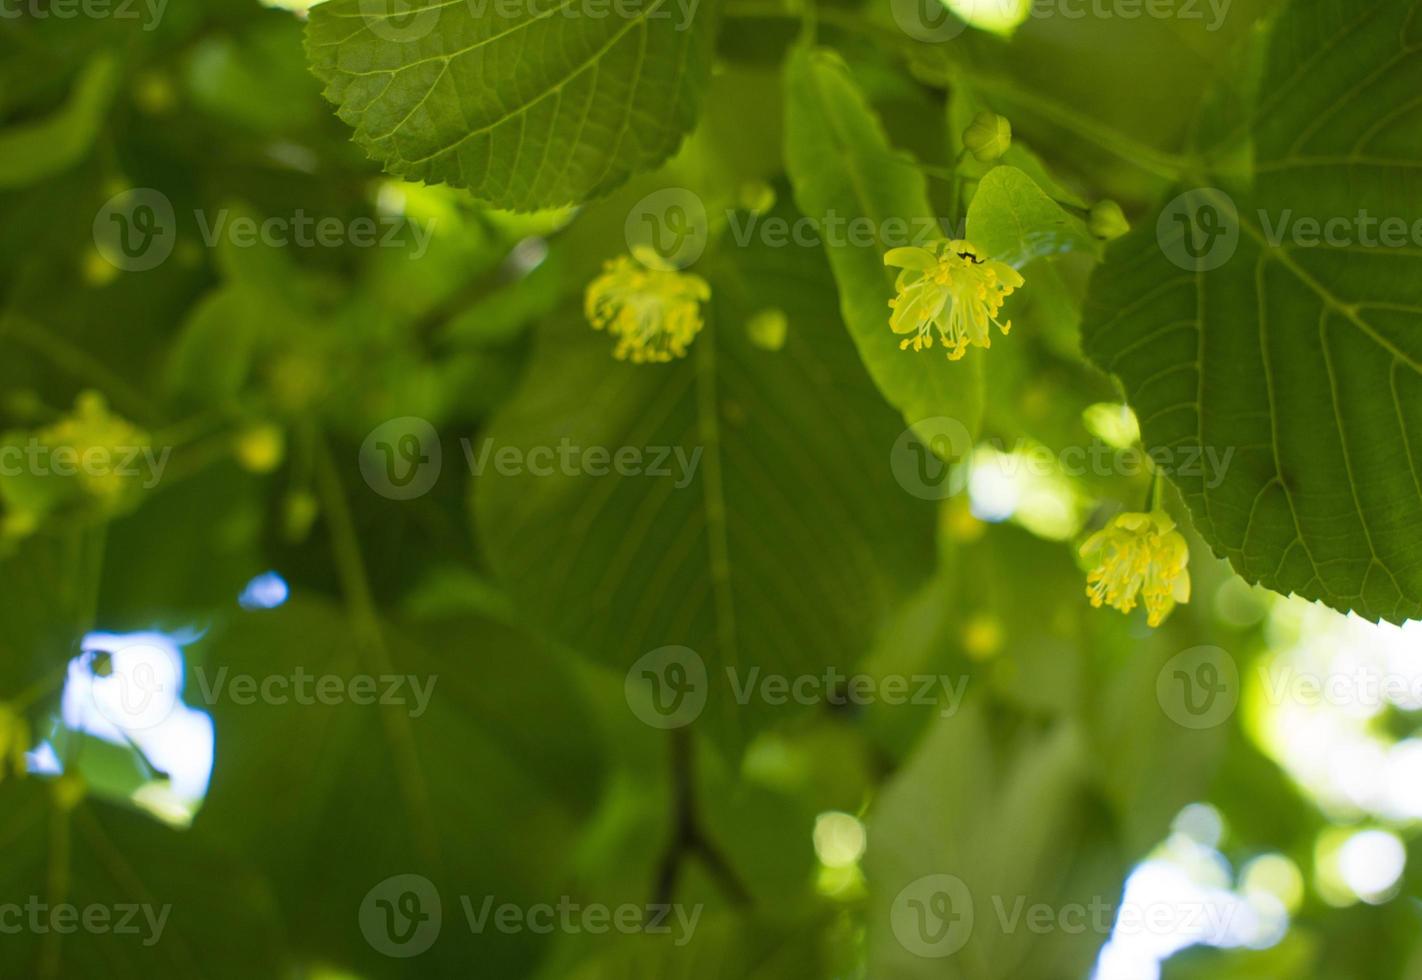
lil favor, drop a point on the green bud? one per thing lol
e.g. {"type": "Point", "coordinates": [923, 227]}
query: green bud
{"type": "Point", "coordinates": [767, 329]}
{"type": "Point", "coordinates": [1107, 221]}
{"type": "Point", "coordinates": [988, 136]}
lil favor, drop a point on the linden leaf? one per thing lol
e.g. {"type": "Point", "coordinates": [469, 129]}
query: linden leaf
{"type": "Point", "coordinates": [761, 527]}
{"type": "Point", "coordinates": [39, 149]}
{"type": "Point", "coordinates": [1012, 219]}
{"type": "Point", "coordinates": [1283, 371]}
{"type": "Point", "coordinates": [841, 163]}
{"type": "Point", "coordinates": [547, 106]}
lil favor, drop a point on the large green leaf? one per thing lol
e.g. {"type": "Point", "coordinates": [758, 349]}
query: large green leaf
{"type": "Point", "coordinates": [842, 165]}
{"type": "Point", "coordinates": [549, 106]}
{"type": "Point", "coordinates": [146, 891]}
{"type": "Point", "coordinates": [1013, 219]}
{"type": "Point", "coordinates": [329, 797]}
{"type": "Point", "coordinates": [980, 825]}
{"type": "Point", "coordinates": [783, 547]}
{"type": "Point", "coordinates": [1297, 366]}
{"type": "Point", "coordinates": [36, 150]}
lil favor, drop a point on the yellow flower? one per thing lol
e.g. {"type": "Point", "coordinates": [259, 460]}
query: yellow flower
{"type": "Point", "coordinates": [652, 309]}
{"type": "Point", "coordinates": [952, 289]}
{"type": "Point", "coordinates": [92, 428]}
{"type": "Point", "coordinates": [1139, 554]}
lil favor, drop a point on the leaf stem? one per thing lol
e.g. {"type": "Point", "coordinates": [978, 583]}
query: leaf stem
{"type": "Point", "coordinates": [350, 566]}
{"type": "Point", "coordinates": [687, 837]}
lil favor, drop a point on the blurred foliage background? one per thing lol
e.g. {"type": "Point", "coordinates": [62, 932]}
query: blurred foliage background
{"type": "Point", "coordinates": [1060, 779]}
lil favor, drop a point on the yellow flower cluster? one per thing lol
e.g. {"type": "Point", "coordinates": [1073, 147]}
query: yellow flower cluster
{"type": "Point", "coordinates": [1138, 555]}
{"type": "Point", "coordinates": [653, 310]}
{"type": "Point", "coordinates": [92, 427]}
{"type": "Point", "coordinates": [952, 289]}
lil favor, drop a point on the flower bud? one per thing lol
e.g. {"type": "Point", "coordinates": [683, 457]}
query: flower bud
{"type": "Point", "coordinates": [987, 137]}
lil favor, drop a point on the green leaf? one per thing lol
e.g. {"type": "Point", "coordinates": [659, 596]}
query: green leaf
{"type": "Point", "coordinates": [841, 164]}
{"type": "Point", "coordinates": [720, 948]}
{"type": "Point", "coordinates": [37, 150]}
{"type": "Point", "coordinates": [96, 855]}
{"type": "Point", "coordinates": [1012, 219]}
{"type": "Point", "coordinates": [1006, 814]}
{"type": "Point", "coordinates": [542, 108]}
{"type": "Point", "coordinates": [1296, 367]}
{"type": "Point", "coordinates": [781, 549]}
{"type": "Point", "coordinates": [326, 799]}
